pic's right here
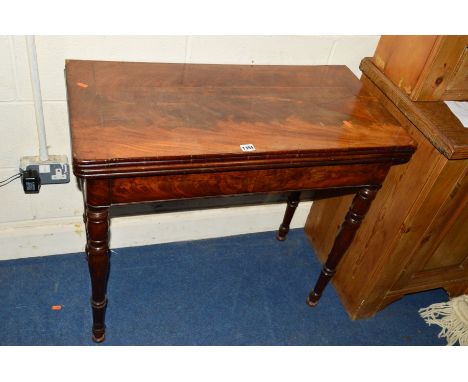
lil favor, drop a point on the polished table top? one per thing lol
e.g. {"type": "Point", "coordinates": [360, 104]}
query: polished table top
{"type": "Point", "coordinates": [124, 114]}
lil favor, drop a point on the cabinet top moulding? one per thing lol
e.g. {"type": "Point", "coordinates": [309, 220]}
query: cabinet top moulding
{"type": "Point", "coordinates": [434, 119]}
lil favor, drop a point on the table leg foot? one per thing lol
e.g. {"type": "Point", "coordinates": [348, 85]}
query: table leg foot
{"type": "Point", "coordinates": [312, 299]}
{"type": "Point", "coordinates": [99, 311]}
{"type": "Point", "coordinates": [293, 201]}
{"type": "Point", "coordinates": [99, 339]}
{"type": "Point", "coordinates": [281, 234]}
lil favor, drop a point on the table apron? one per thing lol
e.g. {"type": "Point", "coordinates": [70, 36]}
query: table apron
{"type": "Point", "coordinates": [169, 187]}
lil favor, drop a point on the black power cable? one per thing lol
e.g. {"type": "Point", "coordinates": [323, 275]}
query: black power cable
{"type": "Point", "coordinates": [10, 179]}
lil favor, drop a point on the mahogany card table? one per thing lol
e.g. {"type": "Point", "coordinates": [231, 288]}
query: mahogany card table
{"type": "Point", "coordinates": [144, 132]}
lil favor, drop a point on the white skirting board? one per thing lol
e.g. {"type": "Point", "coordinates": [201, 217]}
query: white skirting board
{"type": "Point", "coordinates": [67, 235]}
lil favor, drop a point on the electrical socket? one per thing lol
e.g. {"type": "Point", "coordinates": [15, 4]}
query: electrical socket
{"type": "Point", "coordinates": [52, 171]}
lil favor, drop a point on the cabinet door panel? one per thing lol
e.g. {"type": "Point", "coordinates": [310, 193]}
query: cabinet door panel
{"type": "Point", "coordinates": [442, 251]}
{"type": "Point", "coordinates": [457, 88]}
{"type": "Point", "coordinates": [452, 249]}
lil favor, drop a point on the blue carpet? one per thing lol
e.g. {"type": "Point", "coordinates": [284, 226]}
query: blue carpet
{"type": "Point", "coordinates": [240, 290]}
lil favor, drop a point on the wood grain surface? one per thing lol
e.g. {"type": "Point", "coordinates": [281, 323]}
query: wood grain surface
{"type": "Point", "coordinates": [167, 187]}
{"type": "Point", "coordinates": [123, 114]}
{"type": "Point", "coordinates": [444, 76]}
{"type": "Point", "coordinates": [403, 58]}
{"type": "Point", "coordinates": [426, 68]}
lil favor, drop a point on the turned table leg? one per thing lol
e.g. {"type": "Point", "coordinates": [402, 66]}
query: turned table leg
{"type": "Point", "coordinates": [293, 201]}
{"type": "Point", "coordinates": [359, 207]}
{"type": "Point", "coordinates": [97, 251]}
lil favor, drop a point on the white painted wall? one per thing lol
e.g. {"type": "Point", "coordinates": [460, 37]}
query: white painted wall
{"type": "Point", "coordinates": [50, 222]}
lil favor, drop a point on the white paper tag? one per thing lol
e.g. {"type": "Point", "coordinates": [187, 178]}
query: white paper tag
{"type": "Point", "coordinates": [247, 147]}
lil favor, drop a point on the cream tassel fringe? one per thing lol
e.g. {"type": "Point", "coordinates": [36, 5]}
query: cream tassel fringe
{"type": "Point", "coordinates": [452, 317]}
